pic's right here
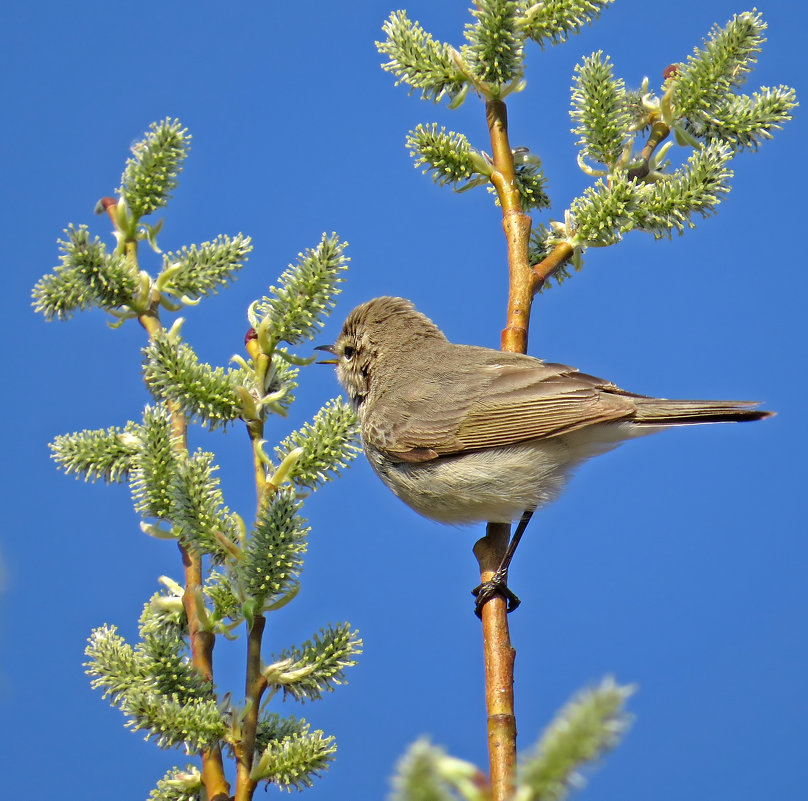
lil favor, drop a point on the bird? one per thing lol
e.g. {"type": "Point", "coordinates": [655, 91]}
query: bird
{"type": "Point", "coordinates": [464, 434]}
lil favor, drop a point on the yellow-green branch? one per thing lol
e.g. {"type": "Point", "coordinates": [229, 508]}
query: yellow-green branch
{"type": "Point", "coordinates": [498, 653]}
{"type": "Point", "coordinates": [255, 685]}
{"type": "Point", "coordinates": [201, 642]}
{"type": "Point", "coordinates": [255, 682]}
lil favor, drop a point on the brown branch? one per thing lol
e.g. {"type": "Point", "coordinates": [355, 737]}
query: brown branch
{"type": "Point", "coordinates": [201, 641]}
{"type": "Point", "coordinates": [520, 292]}
{"type": "Point", "coordinates": [498, 656]}
{"type": "Point", "coordinates": [255, 682]}
{"type": "Point", "coordinates": [659, 132]}
{"type": "Point", "coordinates": [516, 225]}
{"type": "Point", "coordinates": [255, 685]}
{"type": "Point", "coordinates": [498, 653]}
{"type": "Point", "coordinates": [525, 280]}
{"type": "Point", "coordinates": [540, 272]}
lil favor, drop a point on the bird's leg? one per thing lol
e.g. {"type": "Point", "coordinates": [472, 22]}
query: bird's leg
{"type": "Point", "coordinates": [498, 583]}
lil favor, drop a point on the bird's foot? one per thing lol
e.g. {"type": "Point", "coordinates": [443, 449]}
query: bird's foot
{"type": "Point", "coordinates": [496, 585]}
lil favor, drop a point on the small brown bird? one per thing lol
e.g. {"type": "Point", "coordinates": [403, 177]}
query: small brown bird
{"type": "Point", "coordinates": [463, 433]}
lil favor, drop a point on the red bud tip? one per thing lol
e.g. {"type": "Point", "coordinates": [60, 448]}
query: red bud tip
{"type": "Point", "coordinates": [250, 336]}
{"type": "Point", "coordinates": [105, 204]}
{"type": "Point", "coordinates": [671, 70]}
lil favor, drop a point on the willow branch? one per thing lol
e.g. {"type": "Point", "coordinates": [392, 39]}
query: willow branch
{"type": "Point", "coordinates": [201, 641]}
{"type": "Point", "coordinates": [541, 272]}
{"type": "Point", "coordinates": [255, 428]}
{"type": "Point", "coordinates": [255, 682]}
{"type": "Point", "coordinates": [498, 652]}
{"type": "Point", "coordinates": [516, 225]}
{"type": "Point", "coordinates": [498, 659]}
{"type": "Point", "coordinates": [563, 251]}
{"type": "Point", "coordinates": [659, 132]}
{"type": "Point", "coordinates": [255, 685]}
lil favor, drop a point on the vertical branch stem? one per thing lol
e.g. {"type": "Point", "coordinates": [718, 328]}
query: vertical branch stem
{"type": "Point", "coordinates": [255, 428]}
{"type": "Point", "coordinates": [516, 225]}
{"type": "Point", "coordinates": [498, 658]}
{"type": "Point", "coordinates": [255, 683]}
{"type": "Point", "coordinates": [201, 641]}
{"type": "Point", "coordinates": [498, 652]}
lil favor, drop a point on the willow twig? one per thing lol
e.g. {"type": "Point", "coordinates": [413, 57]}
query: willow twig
{"type": "Point", "coordinates": [255, 685]}
{"type": "Point", "coordinates": [255, 682]}
{"type": "Point", "coordinates": [659, 132]}
{"type": "Point", "coordinates": [498, 656]}
{"type": "Point", "coordinates": [498, 651]}
{"type": "Point", "coordinates": [541, 272]}
{"type": "Point", "coordinates": [201, 641]}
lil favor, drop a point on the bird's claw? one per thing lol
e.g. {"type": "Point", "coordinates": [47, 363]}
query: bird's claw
{"type": "Point", "coordinates": [496, 585]}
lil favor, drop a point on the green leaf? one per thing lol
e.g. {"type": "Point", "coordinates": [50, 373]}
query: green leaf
{"type": "Point", "coordinates": [151, 174]}
{"type": "Point", "coordinates": [592, 723]}
{"type": "Point", "coordinates": [419, 60]}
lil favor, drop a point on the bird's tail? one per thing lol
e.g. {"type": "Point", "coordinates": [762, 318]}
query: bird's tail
{"type": "Point", "coordinates": [658, 411]}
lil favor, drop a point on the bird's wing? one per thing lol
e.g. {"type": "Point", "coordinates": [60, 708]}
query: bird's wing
{"type": "Point", "coordinates": [508, 401]}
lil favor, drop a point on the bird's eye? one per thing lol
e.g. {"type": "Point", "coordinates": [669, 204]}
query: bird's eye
{"type": "Point", "coordinates": [348, 353]}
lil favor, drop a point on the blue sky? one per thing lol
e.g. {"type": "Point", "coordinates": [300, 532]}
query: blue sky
{"type": "Point", "coordinates": [676, 562]}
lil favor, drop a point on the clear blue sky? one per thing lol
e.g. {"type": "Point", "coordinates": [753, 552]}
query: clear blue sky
{"type": "Point", "coordinates": [677, 562]}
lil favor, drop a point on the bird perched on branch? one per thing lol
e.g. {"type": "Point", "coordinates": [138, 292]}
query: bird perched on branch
{"type": "Point", "coordinates": [468, 434]}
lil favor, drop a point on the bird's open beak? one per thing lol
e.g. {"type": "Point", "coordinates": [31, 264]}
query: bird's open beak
{"type": "Point", "coordinates": [327, 349]}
